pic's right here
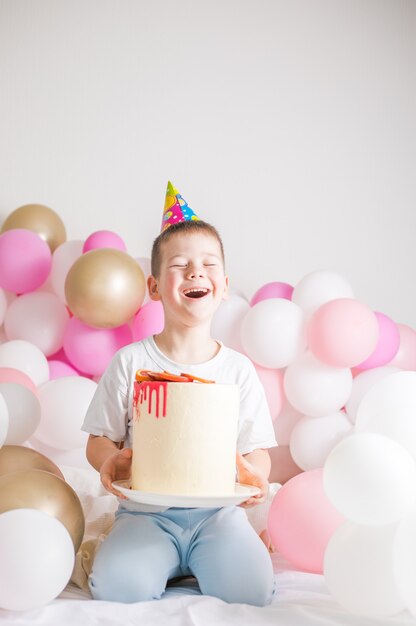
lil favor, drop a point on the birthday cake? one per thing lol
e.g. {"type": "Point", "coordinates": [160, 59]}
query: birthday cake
{"type": "Point", "coordinates": [184, 435]}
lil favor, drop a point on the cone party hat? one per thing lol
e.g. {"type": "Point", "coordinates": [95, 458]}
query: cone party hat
{"type": "Point", "coordinates": [176, 208]}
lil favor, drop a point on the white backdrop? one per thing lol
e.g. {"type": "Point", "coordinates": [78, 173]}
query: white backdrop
{"type": "Point", "coordinates": [290, 125]}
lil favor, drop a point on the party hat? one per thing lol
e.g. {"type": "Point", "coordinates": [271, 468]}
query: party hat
{"type": "Point", "coordinates": [176, 208]}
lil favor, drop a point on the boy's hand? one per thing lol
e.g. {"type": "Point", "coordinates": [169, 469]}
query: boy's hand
{"type": "Point", "coordinates": [249, 475]}
{"type": "Point", "coordinates": [116, 467]}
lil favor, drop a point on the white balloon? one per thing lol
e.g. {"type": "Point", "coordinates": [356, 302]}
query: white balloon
{"type": "Point", "coordinates": [285, 422]}
{"type": "Point", "coordinates": [63, 258]}
{"type": "Point", "coordinates": [358, 570]}
{"type": "Point", "coordinates": [363, 383]}
{"type": "Point", "coordinates": [226, 323]}
{"type": "Point", "coordinates": [37, 558]}
{"type": "Point", "coordinates": [273, 332]}
{"type": "Point", "coordinates": [392, 393]}
{"type": "Point", "coordinates": [314, 388]}
{"type": "Point", "coordinates": [398, 424]}
{"type": "Point", "coordinates": [319, 287]}
{"type": "Point", "coordinates": [24, 412]}
{"type": "Point", "coordinates": [313, 438]}
{"type": "Point", "coordinates": [40, 318]}
{"type": "Point", "coordinates": [64, 403]}
{"type": "Point", "coordinates": [27, 358]}
{"type": "Point", "coordinates": [370, 479]}
{"type": "Point", "coordinates": [3, 305]}
{"type": "Point", "coordinates": [4, 419]}
{"type": "Point", "coordinates": [73, 458]}
{"type": "Point", "coordinates": [404, 559]}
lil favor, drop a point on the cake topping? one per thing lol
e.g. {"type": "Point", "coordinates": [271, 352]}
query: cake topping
{"type": "Point", "coordinates": [147, 375]}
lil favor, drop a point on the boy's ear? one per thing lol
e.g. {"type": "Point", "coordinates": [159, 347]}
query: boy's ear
{"type": "Point", "coordinates": [225, 294]}
{"type": "Point", "coordinates": [152, 288]}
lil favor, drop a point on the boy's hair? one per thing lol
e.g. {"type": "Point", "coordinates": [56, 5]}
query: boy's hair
{"type": "Point", "coordinates": [186, 228]}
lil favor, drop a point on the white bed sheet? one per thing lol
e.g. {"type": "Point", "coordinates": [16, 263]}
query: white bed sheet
{"type": "Point", "coordinates": [302, 600]}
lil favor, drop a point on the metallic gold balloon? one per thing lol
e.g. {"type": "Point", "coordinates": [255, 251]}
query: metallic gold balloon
{"type": "Point", "coordinates": [16, 458]}
{"type": "Point", "coordinates": [36, 489]}
{"type": "Point", "coordinates": [105, 288]}
{"type": "Point", "coordinates": [41, 220]}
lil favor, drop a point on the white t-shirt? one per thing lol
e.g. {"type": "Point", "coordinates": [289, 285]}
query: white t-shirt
{"type": "Point", "coordinates": [111, 410]}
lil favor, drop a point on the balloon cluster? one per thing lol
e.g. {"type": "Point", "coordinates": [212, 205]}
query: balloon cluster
{"type": "Point", "coordinates": [326, 361]}
{"type": "Point", "coordinates": [41, 528]}
{"type": "Point", "coordinates": [341, 384]}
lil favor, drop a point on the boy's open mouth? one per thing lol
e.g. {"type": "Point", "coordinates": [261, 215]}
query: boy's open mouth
{"type": "Point", "coordinates": [195, 292]}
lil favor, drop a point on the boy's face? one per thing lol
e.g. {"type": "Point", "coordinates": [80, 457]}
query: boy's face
{"type": "Point", "coordinates": [192, 282]}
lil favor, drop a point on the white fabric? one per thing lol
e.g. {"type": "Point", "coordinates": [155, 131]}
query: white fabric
{"type": "Point", "coordinates": [110, 412]}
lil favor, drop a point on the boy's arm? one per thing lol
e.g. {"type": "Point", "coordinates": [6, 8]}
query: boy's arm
{"type": "Point", "coordinates": [254, 469]}
{"type": "Point", "coordinates": [112, 462]}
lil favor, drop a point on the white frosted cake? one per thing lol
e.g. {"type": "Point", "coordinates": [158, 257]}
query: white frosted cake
{"type": "Point", "coordinates": [184, 438]}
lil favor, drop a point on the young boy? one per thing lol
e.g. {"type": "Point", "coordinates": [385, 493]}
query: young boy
{"type": "Point", "coordinates": [149, 545]}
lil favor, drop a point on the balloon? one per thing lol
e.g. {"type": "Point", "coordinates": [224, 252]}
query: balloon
{"type": "Point", "coordinates": [64, 458]}
{"type": "Point", "coordinates": [404, 559]}
{"type": "Point", "coordinates": [227, 320]}
{"type": "Point", "coordinates": [17, 458]}
{"type": "Point", "coordinates": [37, 559]}
{"type": "Point", "coordinates": [387, 345]}
{"type": "Point", "coordinates": [24, 412]}
{"type": "Point", "coordinates": [370, 479]}
{"type": "Point", "coordinates": [4, 420]}
{"type": "Point", "coordinates": [272, 290]}
{"type": "Point", "coordinates": [301, 521]}
{"type": "Point", "coordinates": [343, 332]}
{"type": "Point", "coordinates": [313, 438]}
{"type": "Point", "coordinates": [314, 388]}
{"type": "Point", "coordinates": [318, 287]}
{"type": "Point", "coordinates": [39, 318]}
{"type": "Point", "coordinates": [91, 349]}
{"type": "Point", "coordinates": [273, 332]}
{"type": "Point", "coordinates": [104, 239]}
{"type": "Point", "coordinates": [405, 358]}
{"type": "Point", "coordinates": [10, 375]}
{"type": "Point", "coordinates": [285, 423]}
{"type": "Point", "coordinates": [64, 403]}
{"type": "Point", "coordinates": [43, 491]}
{"type": "Point", "coordinates": [272, 381]}
{"type": "Point", "coordinates": [25, 261]}
{"type": "Point", "coordinates": [104, 288]}
{"type": "Point", "coordinates": [57, 369]}
{"type": "Point", "coordinates": [362, 383]}
{"type": "Point", "coordinates": [358, 570]}
{"type": "Point", "coordinates": [25, 357]}
{"type": "Point", "coordinates": [149, 320]}
{"type": "Point", "coordinates": [41, 220]}
{"type": "Point", "coordinates": [145, 265]}
{"type": "Point", "coordinates": [3, 305]}
{"type": "Point", "coordinates": [63, 258]}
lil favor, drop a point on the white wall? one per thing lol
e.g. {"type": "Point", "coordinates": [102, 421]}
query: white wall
{"type": "Point", "coordinates": [289, 124]}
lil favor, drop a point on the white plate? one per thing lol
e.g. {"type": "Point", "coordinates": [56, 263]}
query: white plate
{"type": "Point", "coordinates": [241, 493]}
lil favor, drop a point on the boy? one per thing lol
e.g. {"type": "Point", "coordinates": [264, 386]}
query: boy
{"type": "Point", "coordinates": [150, 545]}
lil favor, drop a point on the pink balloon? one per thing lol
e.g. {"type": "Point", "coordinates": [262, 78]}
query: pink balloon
{"type": "Point", "coordinates": [58, 369]}
{"type": "Point", "coordinates": [387, 345]}
{"type": "Point", "coordinates": [25, 260]}
{"type": "Point", "coordinates": [272, 381]}
{"type": "Point", "coordinates": [149, 320]}
{"type": "Point", "coordinates": [272, 290]}
{"type": "Point", "coordinates": [11, 375]}
{"type": "Point", "coordinates": [405, 358]}
{"type": "Point", "coordinates": [302, 520]}
{"type": "Point", "coordinates": [104, 239]}
{"type": "Point", "coordinates": [90, 349]}
{"type": "Point", "coordinates": [343, 332]}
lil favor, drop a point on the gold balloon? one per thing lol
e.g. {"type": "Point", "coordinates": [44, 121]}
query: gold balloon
{"type": "Point", "coordinates": [41, 220]}
{"type": "Point", "coordinates": [105, 288]}
{"type": "Point", "coordinates": [36, 489]}
{"type": "Point", "coordinates": [15, 458]}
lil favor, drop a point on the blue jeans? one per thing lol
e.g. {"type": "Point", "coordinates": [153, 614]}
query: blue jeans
{"type": "Point", "coordinates": [218, 546]}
